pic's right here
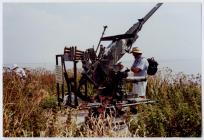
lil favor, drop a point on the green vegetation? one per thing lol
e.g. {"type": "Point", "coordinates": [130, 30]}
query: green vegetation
{"type": "Point", "coordinates": [30, 109]}
{"type": "Point", "coordinates": [178, 113]}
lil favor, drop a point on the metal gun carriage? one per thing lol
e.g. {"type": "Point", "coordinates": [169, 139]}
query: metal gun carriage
{"type": "Point", "coordinates": [101, 71]}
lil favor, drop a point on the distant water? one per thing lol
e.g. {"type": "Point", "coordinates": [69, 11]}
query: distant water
{"type": "Point", "coordinates": [192, 66]}
{"type": "Point", "coordinates": [186, 66]}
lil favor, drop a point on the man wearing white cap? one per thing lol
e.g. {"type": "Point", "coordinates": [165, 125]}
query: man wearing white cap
{"type": "Point", "coordinates": [19, 71]}
{"type": "Point", "coordinates": [139, 68]}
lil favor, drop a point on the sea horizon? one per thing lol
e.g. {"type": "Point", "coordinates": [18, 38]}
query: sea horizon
{"type": "Point", "coordinates": [191, 66]}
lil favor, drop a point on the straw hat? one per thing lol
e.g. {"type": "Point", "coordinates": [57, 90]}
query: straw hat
{"type": "Point", "coordinates": [136, 50]}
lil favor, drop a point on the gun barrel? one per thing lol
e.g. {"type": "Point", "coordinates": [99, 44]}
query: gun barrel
{"type": "Point", "coordinates": [151, 12]}
{"type": "Point", "coordinates": [137, 26]}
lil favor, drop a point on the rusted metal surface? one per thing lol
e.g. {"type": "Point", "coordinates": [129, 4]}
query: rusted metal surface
{"type": "Point", "coordinates": [102, 71]}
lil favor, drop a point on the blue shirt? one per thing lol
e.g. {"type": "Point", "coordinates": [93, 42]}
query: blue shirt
{"type": "Point", "coordinates": [142, 64]}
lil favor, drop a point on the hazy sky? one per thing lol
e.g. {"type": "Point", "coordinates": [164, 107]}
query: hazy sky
{"type": "Point", "coordinates": [36, 32]}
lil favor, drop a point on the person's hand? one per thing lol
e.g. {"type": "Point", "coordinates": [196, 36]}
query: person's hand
{"type": "Point", "coordinates": [135, 70]}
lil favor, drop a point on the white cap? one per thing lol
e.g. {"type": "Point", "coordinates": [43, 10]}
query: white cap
{"type": "Point", "coordinates": [14, 66]}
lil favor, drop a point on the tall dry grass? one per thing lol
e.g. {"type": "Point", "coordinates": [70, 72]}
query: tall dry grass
{"type": "Point", "coordinates": [30, 109]}
{"type": "Point", "coordinates": [21, 100]}
{"type": "Point", "coordinates": [178, 113]}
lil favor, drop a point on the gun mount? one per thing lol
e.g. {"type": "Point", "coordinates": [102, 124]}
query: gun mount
{"type": "Point", "coordinates": [101, 71]}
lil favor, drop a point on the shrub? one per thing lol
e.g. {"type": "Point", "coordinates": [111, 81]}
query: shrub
{"type": "Point", "coordinates": [178, 113]}
{"type": "Point", "coordinates": [49, 102]}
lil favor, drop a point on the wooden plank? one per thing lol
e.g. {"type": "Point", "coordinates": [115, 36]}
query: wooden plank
{"type": "Point", "coordinates": [58, 74]}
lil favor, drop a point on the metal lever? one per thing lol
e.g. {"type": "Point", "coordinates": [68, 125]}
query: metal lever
{"type": "Point", "coordinates": [104, 29]}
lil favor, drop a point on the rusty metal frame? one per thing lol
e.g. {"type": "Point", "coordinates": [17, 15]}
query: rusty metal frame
{"type": "Point", "coordinates": [73, 55]}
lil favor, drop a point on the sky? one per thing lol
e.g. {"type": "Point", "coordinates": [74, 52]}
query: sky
{"type": "Point", "coordinates": [36, 32]}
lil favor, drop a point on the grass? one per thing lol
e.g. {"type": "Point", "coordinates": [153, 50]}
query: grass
{"type": "Point", "coordinates": [30, 109]}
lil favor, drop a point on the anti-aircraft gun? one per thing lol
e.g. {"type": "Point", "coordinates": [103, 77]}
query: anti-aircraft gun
{"type": "Point", "coordinates": [101, 69]}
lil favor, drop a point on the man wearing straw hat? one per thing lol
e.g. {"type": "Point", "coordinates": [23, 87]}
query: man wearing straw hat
{"type": "Point", "coordinates": [139, 68]}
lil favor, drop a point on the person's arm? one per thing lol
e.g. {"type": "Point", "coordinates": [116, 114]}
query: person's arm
{"type": "Point", "coordinates": [140, 66]}
{"type": "Point", "coordinates": [135, 69]}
